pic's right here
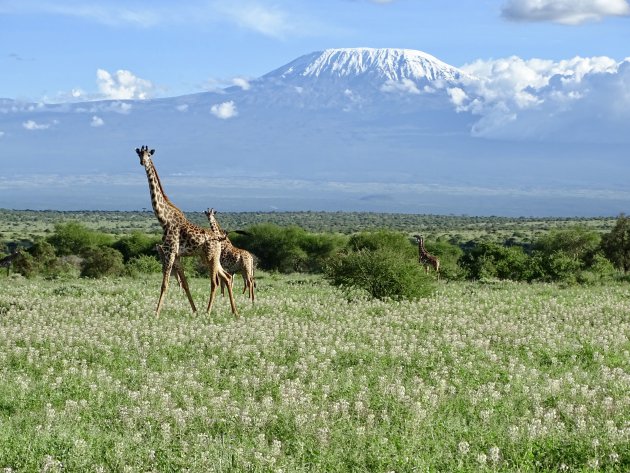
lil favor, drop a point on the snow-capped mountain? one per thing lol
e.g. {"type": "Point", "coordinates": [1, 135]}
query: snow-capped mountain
{"type": "Point", "coordinates": [340, 129]}
{"type": "Point", "coordinates": [368, 64]}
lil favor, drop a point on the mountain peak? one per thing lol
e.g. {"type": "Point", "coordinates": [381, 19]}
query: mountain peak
{"type": "Point", "coordinates": [378, 63]}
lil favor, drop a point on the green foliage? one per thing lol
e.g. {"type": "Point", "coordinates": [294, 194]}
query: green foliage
{"type": "Point", "coordinates": [74, 238]}
{"type": "Point", "coordinates": [449, 256]}
{"type": "Point", "coordinates": [102, 261]}
{"type": "Point", "coordinates": [137, 244]}
{"type": "Point", "coordinates": [143, 264]}
{"type": "Point", "coordinates": [616, 244]}
{"type": "Point", "coordinates": [288, 249]}
{"type": "Point", "coordinates": [577, 243]}
{"type": "Point", "coordinates": [381, 263]}
{"type": "Point", "coordinates": [26, 265]}
{"type": "Point", "coordinates": [491, 260]}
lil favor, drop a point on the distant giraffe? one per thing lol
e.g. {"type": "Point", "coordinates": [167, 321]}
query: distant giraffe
{"type": "Point", "coordinates": [182, 238]}
{"type": "Point", "coordinates": [425, 258]}
{"type": "Point", "coordinates": [233, 259]}
{"type": "Point", "coordinates": [7, 261]}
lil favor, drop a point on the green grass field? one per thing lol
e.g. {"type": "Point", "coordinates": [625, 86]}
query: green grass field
{"type": "Point", "coordinates": [494, 377]}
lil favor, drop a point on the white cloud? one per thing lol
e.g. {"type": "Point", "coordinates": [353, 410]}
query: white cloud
{"type": "Point", "coordinates": [123, 85]}
{"type": "Point", "coordinates": [266, 20]}
{"type": "Point", "coordinates": [182, 107]}
{"type": "Point", "coordinates": [33, 125]}
{"type": "Point", "coordinates": [2, 134]}
{"type": "Point", "coordinates": [97, 121]}
{"type": "Point", "coordinates": [566, 12]}
{"type": "Point", "coordinates": [224, 110]}
{"type": "Point", "coordinates": [540, 99]}
{"type": "Point", "coordinates": [458, 97]}
{"type": "Point", "coordinates": [404, 86]}
{"type": "Point", "coordinates": [241, 82]}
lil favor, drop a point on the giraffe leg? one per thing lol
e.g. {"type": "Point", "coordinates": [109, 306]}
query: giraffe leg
{"type": "Point", "coordinates": [222, 278]}
{"type": "Point", "coordinates": [229, 282]}
{"type": "Point", "coordinates": [184, 284]}
{"type": "Point", "coordinates": [167, 267]}
{"type": "Point", "coordinates": [213, 289]}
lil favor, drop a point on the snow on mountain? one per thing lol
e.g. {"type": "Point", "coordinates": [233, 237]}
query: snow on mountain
{"type": "Point", "coordinates": [385, 64]}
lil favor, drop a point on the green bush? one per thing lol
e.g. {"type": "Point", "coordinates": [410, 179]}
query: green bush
{"type": "Point", "coordinates": [384, 264]}
{"type": "Point", "coordinates": [288, 249]}
{"type": "Point", "coordinates": [102, 261]}
{"type": "Point", "coordinates": [137, 244]}
{"type": "Point", "coordinates": [616, 244]}
{"type": "Point", "coordinates": [26, 265]}
{"type": "Point", "coordinates": [449, 256]}
{"type": "Point", "coordinates": [490, 261]}
{"type": "Point", "coordinates": [143, 264]}
{"type": "Point", "coordinates": [74, 238]}
{"type": "Point", "coordinates": [382, 273]}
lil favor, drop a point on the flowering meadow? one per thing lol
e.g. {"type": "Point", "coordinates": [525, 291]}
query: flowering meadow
{"type": "Point", "coordinates": [478, 377]}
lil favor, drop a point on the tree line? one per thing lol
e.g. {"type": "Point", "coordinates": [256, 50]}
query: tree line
{"type": "Point", "coordinates": [384, 263]}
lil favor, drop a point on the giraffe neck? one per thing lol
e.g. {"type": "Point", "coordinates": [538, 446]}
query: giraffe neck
{"type": "Point", "coordinates": [159, 200]}
{"type": "Point", "coordinates": [214, 225]}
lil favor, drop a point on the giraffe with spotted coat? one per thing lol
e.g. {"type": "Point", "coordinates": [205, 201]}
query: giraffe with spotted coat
{"type": "Point", "coordinates": [233, 259]}
{"type": "Point", "coordinates": [183, 238]}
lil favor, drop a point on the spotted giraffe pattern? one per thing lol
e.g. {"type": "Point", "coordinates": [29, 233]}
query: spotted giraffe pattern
{"type": "Point", "coordinates": [425, 258]}
{"type": "Point", "coordinates": [183, 238]}
{"type": "Point", "coordinates": [233, 259]}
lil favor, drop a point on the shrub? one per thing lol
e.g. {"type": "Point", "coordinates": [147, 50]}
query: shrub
{"type": "Point", "coordinates": [616, 244]}
{"type": "Point", "coordinates": [137, 244]}
{"type": "Point", "coordinates": [490, 260]}
{"type": "Point", "coordinates": [382, 273]}
{"type": "Point", "coordinates": [73, 238]}
{"type": "Point", "coordinates": [288, 249]}
{"type": "Point", "coordinates": [382, 263]}
{"type": "Point", "coordinates": [102, 261]}
{"type": "Point", "coordinates": [143, 264]}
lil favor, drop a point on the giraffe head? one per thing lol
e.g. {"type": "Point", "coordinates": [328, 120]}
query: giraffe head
{"type": "Point", "coordinates": [214, 224]}
{"type": "Point", "coordinates": [210, 213]}
{"type": "Point", "coordinates": [144, 153]}
{"type": "Point", "coordinates": [418, 238]}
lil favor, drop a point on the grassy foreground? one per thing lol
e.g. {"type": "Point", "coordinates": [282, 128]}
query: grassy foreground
{"type": "Point", "coordinates": [503, 377]}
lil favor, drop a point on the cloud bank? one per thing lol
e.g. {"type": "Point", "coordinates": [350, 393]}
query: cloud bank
{"type": "Point", "coordinates": [541, 99]}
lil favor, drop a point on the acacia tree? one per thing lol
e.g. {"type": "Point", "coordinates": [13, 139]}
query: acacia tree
{"type": "Point", "coordinates": [616, 244]}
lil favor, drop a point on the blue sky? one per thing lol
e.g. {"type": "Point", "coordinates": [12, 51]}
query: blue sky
{"type": "Point", "coordinates": [69, 50]}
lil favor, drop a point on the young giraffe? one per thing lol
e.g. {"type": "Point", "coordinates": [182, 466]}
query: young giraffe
{"type": "Point", "coordinates": [182, 238]}
{"type": "Point", "coordinates": [425, 258]}
{"type": "Point", "coordinates": [233, 259]}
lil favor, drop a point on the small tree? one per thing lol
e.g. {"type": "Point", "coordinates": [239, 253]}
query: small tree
{"type": "Point", "coordinates": [136, 244]}
{"type": "Point", "coordinates": [384, 264]}
{"type": "Point", "coordinates": [74, 238]}
{"type": "Point", "coordinates": [102, 261]}
{"type": "Point", "coordinates": [616, 244]}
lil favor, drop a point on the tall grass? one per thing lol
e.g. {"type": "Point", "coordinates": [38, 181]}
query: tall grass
{"type": "Point", "coordinates": [504, 377]}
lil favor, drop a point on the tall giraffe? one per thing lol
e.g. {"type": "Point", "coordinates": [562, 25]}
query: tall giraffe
{"type": "Point", "coordinates": [425, 258]}
{"type": "Point", "coordinates": [182, 238]}
{"type": "Point", "coordinates": [233, 259]}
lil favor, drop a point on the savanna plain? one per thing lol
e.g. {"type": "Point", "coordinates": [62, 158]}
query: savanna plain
{"type": "Point", "coordinates": [479, 376]}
